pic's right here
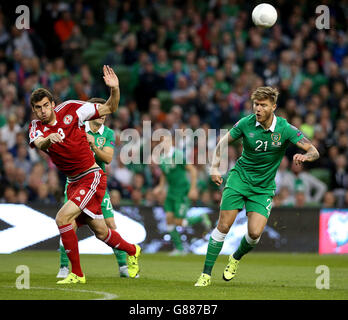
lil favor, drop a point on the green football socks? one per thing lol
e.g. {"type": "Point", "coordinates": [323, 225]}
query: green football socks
{"type": "Point", "coordinates": [64, 260]}
{"type": "Point", "coordinates": [214, 248]}
{"type": "Point", "coordinates": [245, 246]}
{"type": "Point", "coordinates": [176, 239]}
{"type": "Point", "coordinates": [121, 257]}
{"type": "Point", "coordinates": [215, 244]}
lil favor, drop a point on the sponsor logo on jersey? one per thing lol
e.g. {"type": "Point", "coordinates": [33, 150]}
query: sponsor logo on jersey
{"type": "Point", "coordinates": [82, 192]}
{"type": "Point", "coordinates": [101, 141]}
{"type": "Point", "coordinates": [68, 119]}
{"type": "Point", "coordinates": [251, 134]}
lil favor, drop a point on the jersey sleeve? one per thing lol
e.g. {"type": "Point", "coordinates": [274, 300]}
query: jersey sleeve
{"type": "Point", "coordinates": [236, 132]}
{"type": "Point", "coordinates": [34, 132]}
{"type": "Point", "coordinates": [87, 111]}
{"type": "Point", "coordinates": [294, 134]}
{"type": "Point", "coordinates": [110, 139]}
{"type": "Point", "coordinates": [84, 110]}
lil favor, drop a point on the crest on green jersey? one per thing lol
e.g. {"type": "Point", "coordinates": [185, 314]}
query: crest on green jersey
{"type": "Point", "coordinates": [101, 141]}
{"type": "Point", "coordinates": [276, 139]}
{"type": "Point", "coordinates": [275, 136]}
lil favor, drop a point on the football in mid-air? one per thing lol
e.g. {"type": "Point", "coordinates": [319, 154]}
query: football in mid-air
{"type": "Point", "coordinates": [264, 15]}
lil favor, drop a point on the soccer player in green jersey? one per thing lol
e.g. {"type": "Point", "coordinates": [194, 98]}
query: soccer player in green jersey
{"type": "Point", "coordinates": [180, 191]}
{"type": "Point", "coordinates": [102, 142]}
{"type": "Point", "coordinates": [251, 183]}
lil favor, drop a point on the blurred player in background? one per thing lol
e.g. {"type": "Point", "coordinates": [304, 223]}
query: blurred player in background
{"type": "Point", "coordinates": [59, 131]}
{"type": "Point", "coordinates": [102, 142]}
{"type": "Point", "coordinates": [251, 183]}
{"type": "Point", "coordinates": [180, 191]}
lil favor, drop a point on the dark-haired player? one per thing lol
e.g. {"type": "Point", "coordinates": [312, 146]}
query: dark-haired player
{"type": "Point", "coordinates": [60, 132]}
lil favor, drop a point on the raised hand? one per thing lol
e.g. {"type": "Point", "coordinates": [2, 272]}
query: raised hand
{"type": "Point", "coordinates": [110, 77]}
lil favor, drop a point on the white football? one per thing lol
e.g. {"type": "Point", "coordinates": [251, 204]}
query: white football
{"type": "Point", "coordinates": [264, 15]}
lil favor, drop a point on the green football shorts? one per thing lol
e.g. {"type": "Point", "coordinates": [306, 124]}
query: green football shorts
{"type": "Point", "coordinates": [239, 194]}
{"type": "Point", "coordinates": [106, 205]}
{"type": "Point", "coordinates": [178, 206]}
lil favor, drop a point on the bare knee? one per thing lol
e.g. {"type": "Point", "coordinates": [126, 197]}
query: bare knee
{"type": "Point", "coordinates": [223, 227]}
{"type": "Point", "coordinates": [178, 222]}
{"type": "Point", "coordinates": [110, 222]}
{"type": "Point", "coordinates": [101, 234]}
{"type": "Point", "coordinates": [254, 234]}
{"type": "Point", "coordinates": [61, 220]}
{"type": "Point", "coordinates": [170, 218]}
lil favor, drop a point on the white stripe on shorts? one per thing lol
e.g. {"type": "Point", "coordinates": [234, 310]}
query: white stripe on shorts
{"type": "Point", "coordinates": [92, 191]}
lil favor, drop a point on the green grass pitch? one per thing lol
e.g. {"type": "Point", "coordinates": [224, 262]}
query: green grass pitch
{"type": "Point", "coordinates": [261, 276]}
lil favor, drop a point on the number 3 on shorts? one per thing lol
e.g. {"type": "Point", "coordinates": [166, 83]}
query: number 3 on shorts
{"type": "Point", "coordinates": [269, 206]}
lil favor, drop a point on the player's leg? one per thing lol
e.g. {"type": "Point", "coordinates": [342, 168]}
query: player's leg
{"type": "Point", "coordinates": [193, 220]}
{"type": "Point", "coordinates": [231, 203]}
{"type": "Point", "coordinates": [114, 240]}
{"type": "Point", "coordinates": [174, 234]}
{"type": "Point", "coordinates": [256, 225]}
{"type": "Point", "coordinates": [179, 209]}
{"type": "Point", "coordinates": [169, 208]}
{"type": "Point", "coordinates": [63, 257]}
{"type": "Point", "coordinates": [65, 221]}
{"type": "Point", "coordinates": [258, 209]}
{"type": "Point", "coordinates": [121, 256]}
{"type": "Point", "coordinates": [216, 241]}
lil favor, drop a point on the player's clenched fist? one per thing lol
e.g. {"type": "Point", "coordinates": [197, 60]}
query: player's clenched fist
{"type": "Point", "coordinates": [299, 158]}
{"type": "Point", "coordinates": [54, 138]}
{"type": "Point", "coordinates": [217, 179]}
{"type": "Point", "coordinates": [215, 176]}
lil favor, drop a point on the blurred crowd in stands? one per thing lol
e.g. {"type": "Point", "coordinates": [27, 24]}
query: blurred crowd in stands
{"type": "Point", "coordinates": [181, 64]}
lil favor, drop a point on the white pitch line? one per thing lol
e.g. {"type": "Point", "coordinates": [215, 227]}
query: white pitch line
{"type": "Point", "coordinates": [106, 295]}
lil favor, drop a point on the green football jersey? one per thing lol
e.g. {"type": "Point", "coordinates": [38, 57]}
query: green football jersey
{"type": "Point", "coordinates": [174, 169]}
{"type": "Point", "coordinates": [104, 137]}
{"type": "Point", "coordinates": [263, 150]}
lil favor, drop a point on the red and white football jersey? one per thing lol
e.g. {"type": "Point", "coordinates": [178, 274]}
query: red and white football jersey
{"type": "Point", "coordinates": [72, 156]}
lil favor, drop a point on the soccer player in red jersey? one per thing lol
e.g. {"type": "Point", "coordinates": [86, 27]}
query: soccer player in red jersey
{"type": "Point", "coordinates": [59, 131]}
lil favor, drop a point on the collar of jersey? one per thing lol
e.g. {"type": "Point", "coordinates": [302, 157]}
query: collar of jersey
{"type": "Point", "coordinates": [273, 125]}
{"type": "Point", "coordinates": [88, 128]}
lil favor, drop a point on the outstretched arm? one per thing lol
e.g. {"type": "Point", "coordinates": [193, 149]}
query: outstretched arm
{"type": "Point", "coordinates": [311, 154]}
{"type": "Point", "coordinates": [112, 82]}
{"type": "Point", "coordinates": [44, 143]}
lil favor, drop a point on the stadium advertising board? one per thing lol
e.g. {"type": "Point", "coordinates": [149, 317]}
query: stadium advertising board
{"type": "Point", "coordinates": [33, 227]}
{"type": "Point", "coordinates": [333, 231]}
